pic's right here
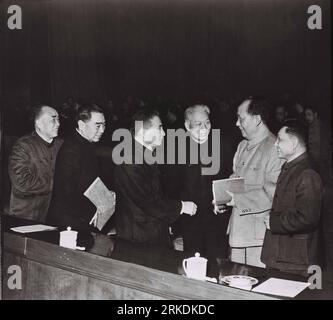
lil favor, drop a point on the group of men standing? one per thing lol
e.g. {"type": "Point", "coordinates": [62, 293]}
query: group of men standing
{"type": "Point", "coordinates": [273, 223]}
{"type": "Point", "coordinates": [49, 175]}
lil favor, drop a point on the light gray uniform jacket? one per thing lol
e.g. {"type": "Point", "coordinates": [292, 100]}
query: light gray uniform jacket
{"type": "Point", "coordinates": [258, 163]}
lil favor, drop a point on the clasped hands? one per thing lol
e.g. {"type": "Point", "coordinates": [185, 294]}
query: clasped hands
{"type": "Point", "coordinates": [189, 208]}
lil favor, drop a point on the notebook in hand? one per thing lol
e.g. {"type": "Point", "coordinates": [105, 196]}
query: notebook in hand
{"type": "Point", "coordinates": [234, 185]}
{"type": "Point", "coordinates": [103, 199]}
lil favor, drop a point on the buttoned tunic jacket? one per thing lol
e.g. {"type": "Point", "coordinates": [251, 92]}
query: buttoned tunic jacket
{"type": "Point", "coordinates": [77, 167]}
{"type": "Point", "coordinates": [31, 171]}
{"type": "Point", "coordinates": [292, 241]}
{"type": "Point", "coordinates": [143, 212]}
{"type": "Point", "coordinates": [258, 163]}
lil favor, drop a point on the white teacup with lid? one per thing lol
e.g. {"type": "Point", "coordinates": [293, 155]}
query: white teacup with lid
{"type": "Point", "coordinates": [68, 238]}
{"type": "Point", "coordinates": [195, 267]}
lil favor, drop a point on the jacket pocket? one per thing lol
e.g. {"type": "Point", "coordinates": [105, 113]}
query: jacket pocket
{"type": "Point", "coordinates": [254, 176]}
{"type": "Point", "coordinates": [293, 249]}
{"type": "Point", "coordinates": [259, 227]}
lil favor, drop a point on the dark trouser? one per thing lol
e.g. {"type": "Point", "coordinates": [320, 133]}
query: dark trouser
{"type": "Point", "coordinates": [327, 231]}
{"type": "Point", "coordinates": [328, 246]}
{"type": "Point", "coordinates": [208, 237]}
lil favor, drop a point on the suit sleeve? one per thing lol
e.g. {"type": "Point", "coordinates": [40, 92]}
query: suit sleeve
{"type": "Point", "coordinates": [226, 157]}
{"type": "Point", "coordinates": [138, 187]}
{"type": "Point", "coordinates": [24, 173]}
{"type": "Point", "coordinates": [304, 215]}
{"type": "Point", "coordinates": [67, 173]}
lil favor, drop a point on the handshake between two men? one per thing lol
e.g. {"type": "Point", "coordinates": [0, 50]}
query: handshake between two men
{"type": "Point", "coordinates": [188, 207]}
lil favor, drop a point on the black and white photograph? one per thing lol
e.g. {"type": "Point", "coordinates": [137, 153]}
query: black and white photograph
{"type": "Point", "coordinates": [166, 150]}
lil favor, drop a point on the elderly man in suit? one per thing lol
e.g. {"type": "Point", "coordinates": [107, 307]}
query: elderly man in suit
{"type": "Point", "coordinates": [291, 239]}
{"type": "Point", "coordinates": [143, 212]}
{"type": "Point", "coordinates": [206, 231]}
{"type": "Point", "coordinates": [31, 166]}
{"type": "Point", "coordinates": [256, 160]}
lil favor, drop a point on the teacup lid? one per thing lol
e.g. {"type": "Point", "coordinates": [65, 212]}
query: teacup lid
{"type": "Point", "coordinates": [69, 231]}
{"type": "Point", "coordinates": [198, 258]}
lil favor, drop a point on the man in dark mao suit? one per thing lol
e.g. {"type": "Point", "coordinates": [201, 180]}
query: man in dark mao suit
{"type": "Point", "coordinates": [31, 166]}
{"type": "Point", "coordinates": [291, 239]}
{"type": "Point", "coordinates": [143, 213]}
{"type": "Point", "coordinates": [206, 232]}
{"type": "Point", "coordinates": [76, 168]}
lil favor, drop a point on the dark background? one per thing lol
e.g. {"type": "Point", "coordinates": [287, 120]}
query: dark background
{"type": "Point", "coordinates": [109, 48]}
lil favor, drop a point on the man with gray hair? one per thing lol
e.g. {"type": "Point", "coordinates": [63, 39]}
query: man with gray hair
{"type": "Point", "coordinates": [206, 231]}
{"type": "Point", "coordinates": [31, 166]}
{"type": "Point", "coordinates": [257, 161]}
{"type": "Point", "coordinates": [197, 122]}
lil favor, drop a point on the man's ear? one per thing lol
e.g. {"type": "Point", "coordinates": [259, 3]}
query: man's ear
{"type": "Point", "coordinates": [295, 142]}
{"type": "Point", "coordinates": [258, 120]}
{"type": "Point", "coordinates": [81, 124]}
{"type": "Point", "coordinates": [37, 124]}
{"type": "Point", "coordinates": [187, 125]}
{"type": "Point", "coordinates": [140, 133]}
{"type": "Point", "coordinates": [138, 130]}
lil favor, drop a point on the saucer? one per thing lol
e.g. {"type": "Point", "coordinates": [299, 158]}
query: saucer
{"type": "Point", "coordinates": [227, 279]}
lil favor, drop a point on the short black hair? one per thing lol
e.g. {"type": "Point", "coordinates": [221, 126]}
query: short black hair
{"type": "Point", "coordinates": [298, 129]}
{"type": "Point", "coordinates": [261, 107]}
{"type": "Point", "coordinates": [84, 112]}
{"type": "Point", "coordinates": [145, 115]}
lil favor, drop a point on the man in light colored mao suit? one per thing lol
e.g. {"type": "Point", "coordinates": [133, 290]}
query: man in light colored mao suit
{"type": "Point", "coordinates": [256, 160]}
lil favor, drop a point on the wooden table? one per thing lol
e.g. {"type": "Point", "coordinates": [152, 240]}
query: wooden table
{"type": "Point", "coordinates": [115, 269]}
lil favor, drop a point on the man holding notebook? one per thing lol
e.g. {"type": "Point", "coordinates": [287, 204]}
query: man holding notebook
{"type": "Point", "coordinates": [76, 169]}
{"type": "Point", "coordinates": [256, 160]}
{"type": "Point", "coordinates": [206, 231]}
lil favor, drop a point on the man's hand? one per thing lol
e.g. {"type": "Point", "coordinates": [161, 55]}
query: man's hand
{"type": "Point", "coordinates": [231, 203]}
{"type": "Point", "coordinates": [114, 203]}
{"type": "Point", "coordinates": [266, 221]}
{"type": "Point", "coordinates": [222, 208]}
{"type": "Point", "coordinates": [94, 219]}
{"type": "Point", "coordinates": [189, 208]}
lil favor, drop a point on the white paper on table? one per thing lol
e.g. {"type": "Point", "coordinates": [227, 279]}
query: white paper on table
{"type": "Point", "coordinates": [281, 287]}
{"type": "Point", "coordinates": [33, 228]}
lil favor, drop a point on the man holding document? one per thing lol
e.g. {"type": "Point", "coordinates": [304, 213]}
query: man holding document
{"type": "Point", "coordinates": [206, 231]}
{"type": "Point", "coordinates": [76, 169]}
{"type": "Point", "coordinates": [256, 161]}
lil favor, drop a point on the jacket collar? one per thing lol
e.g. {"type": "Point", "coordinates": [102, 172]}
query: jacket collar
{"type": "Point", "coordinates": [288, 165]}
{"type": "Point", "coordinates": [259, 138]}
{"type": "Point", "coordinates": [80, 139]}
{"type": "Point", "coordinates": [41, 140]}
